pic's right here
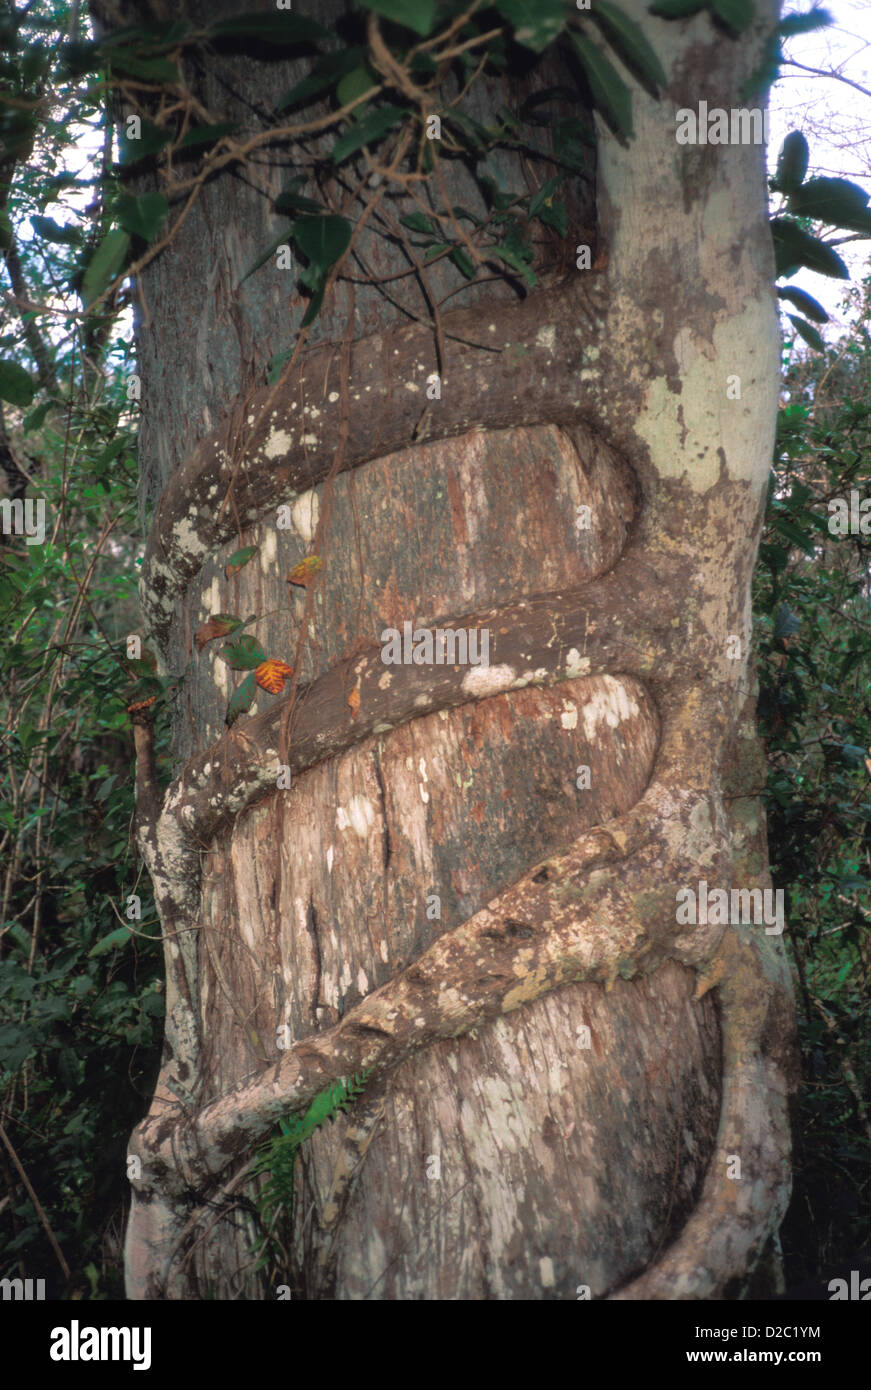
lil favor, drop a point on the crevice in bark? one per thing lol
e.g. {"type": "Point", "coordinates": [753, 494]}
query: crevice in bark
{"type": "Point", "coordinates": [548, 362]}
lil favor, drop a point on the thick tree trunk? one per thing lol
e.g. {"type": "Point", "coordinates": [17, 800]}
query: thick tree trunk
{"type": "Point", "coordinates": [560, 1086]}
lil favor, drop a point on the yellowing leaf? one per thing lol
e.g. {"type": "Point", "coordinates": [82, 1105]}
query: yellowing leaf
{"type": "Point", "coordinates": [271, 675]}
{"type": "Point", "coordinates": [219, 625]}
{"type": "Point", "coordinates": [303, 573]}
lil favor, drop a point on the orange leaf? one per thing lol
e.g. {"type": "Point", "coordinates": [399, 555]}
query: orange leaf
{"type": "Point", "coordinates": [303, 573]}
{"type": "Point", "coordinates": [354, 701]}
{"type": "Point", "coordinates": [271, 675]}
{"type": "Point", "coordinates": [141, 705]}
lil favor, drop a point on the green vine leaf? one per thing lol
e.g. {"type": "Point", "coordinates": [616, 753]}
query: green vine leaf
{"type": "Point", "coordinates": [244, 654]}
{"type": "Point", "coordinates": [282, 239]}
{"type": "Point", "coordinates": [369, 129]}
{"type": "Point", "coordinates": [105, 264]}
{"type": "Point", "coordinates": [609, 91]}
{"type": "Point", "coordinates": [283, 29]}
{"type": "Point", "coordinates": [15, 384]}
{"type": "Point", "coordinates": [324, 75]}
{"type": "Point", "coordinates": [355, 84]}
{"type": "Point", "coordinates": [322, 240]}
{"type": "Point", "coordinates": [630, 43]}
{"type": "Point", "coordinates": [151, 139]}
{"type": "Point", "coordinates": [206, 134]}
{"type": "Point", "coordinates": [143, 215]}
{"type": "Point", "coordinates": [238, 560]}
{"type": "Point", "coordinates": [536, 23]}
{"type": "Point", "coordinates": [241, 700]}
{"type": "Point", "coordinates": [418, 15]}
{"type": "Point", "coordinates": [735, 14]}
{"type": "Point", "coordinates": [159, 70]}
{"type": "Point", "coordinates": [677, 9]}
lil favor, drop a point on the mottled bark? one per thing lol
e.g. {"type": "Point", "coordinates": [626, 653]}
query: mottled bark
{"type": "Point", "coordinates": [612, 648]}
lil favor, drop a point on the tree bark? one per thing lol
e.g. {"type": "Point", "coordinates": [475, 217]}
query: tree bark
{"type": "Point", "coordinates": [561, 1074]}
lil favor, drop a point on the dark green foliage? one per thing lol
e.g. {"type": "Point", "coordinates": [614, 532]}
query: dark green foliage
{"type": "Point", "coordinates": [278, 1157]}
{"type": "Point", "coordinates": [813, 622]}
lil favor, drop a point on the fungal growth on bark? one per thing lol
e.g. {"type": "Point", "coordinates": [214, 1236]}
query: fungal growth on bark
{"type": "Point", "coordinates": [396, 868]}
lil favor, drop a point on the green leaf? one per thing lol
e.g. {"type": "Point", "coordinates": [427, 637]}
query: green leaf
{"type": "Point", "coordinates": [475, 134]}
{"type": "Point", "coordinates": [552, 213]}
{"type": "Point", "coordinates": [609, 91]}
{"type": "Point", "coordinates": [367, 130]}
{"type": "Point", "coordinates": [806, 302]}
{"type": "Point", "coordinates": [354, 84]}
{"type": "Point", "coordinates": [318, 288]}
{"type": "Point", "coordinates": [837, 201]}
{"type": "Point", "coordinates": [143, 215]}
{"type": "Point", "coordinates": [629, 42]}
{"type": "Point", "coordinates": [241, 700]}
{"type": "Point", "coordinates": [15, 384]}
{"type": "Point", "coordinates": [6, 228]}
{"type": "Point", "coordinates": [418, 15]}
{"type": "Point", "coordinates": [291, 201]}
{"type": "Point", "coordinates": [792, 163]}
{"type": "Point", "coordinates": [243, 654]}
{"type": "Point", "coordinates": [238, 560]}
{"type": "Point", "coordinates": [794, 246]}
{"type": "Point", "coordinates": [275, 365]}
{"type": "Point", "coordinates": [37, 416]}
{"type": "Point", "coordinates": [808, 332]}
{"type": "Point", "coordinates": [284, 28]}
{"type": "Point", "coordinates": [817, 18]}
{"type": "Point", "coordinates": [324, 75]}
{"type": "Point", "coordinates": [417, 222]}
{"type": "Point", "coordinates": [511, 258]}
{"type": "Point", "coordinates": [159, 70]}
{"type": "Point", "coordinates": [119, 937]}
{"type": "Point", "coordinates": [793, 534]}
{"type": "Point", "coordinates": [547, 190]}
{"type": "Point", "coordinates": [737, 14]}
{"type": "Point", "coordinates": [151, 139]}
{"type": "Point", "coordinates": [536, 23]}
{"type": "Point", "coordinates": [283, 239]}
{"type": "Point", "coordinates": [463, 261]}
{"type": "Point", "coordinates": [322, 240]}
{"type": "Point", "coordinates": [49, 230]}
{"type": "Point", "coordinates": [206, 134]}
{"type": "Point", "coordinates": [677, 9]}
{"type": "Point", "coordinates": [105, 264]}
{"type": "Point", "coordinates": [532, 103]}
{"type": "Point", "coordinates": [555, 215]}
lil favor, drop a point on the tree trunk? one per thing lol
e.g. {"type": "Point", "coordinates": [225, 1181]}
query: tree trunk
{"type": "Point", "coordinates": [469, 889]}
